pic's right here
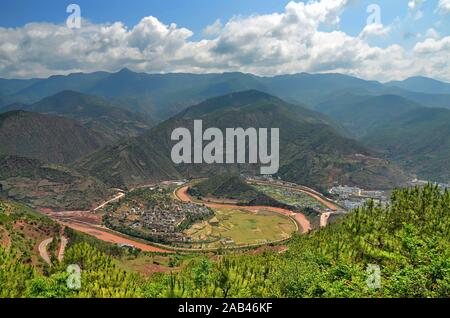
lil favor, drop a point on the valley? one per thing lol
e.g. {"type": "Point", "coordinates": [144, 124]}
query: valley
{"type": "Point", "coordinates": [231, 225]}
{"type": "Point", "coordinates": [99, 171]}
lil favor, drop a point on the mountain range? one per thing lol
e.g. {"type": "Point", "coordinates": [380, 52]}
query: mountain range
{"type": "Point", "coordinates": [115, 128]}
{"type": "Point", "coordinates": [312, 152]}
{"type": "Point", "coordinates": [165, 95]}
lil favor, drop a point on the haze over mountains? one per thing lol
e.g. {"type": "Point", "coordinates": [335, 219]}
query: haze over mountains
{"type": "Point", "coordinates": [164, 95]}
{"type": "Point", "coordinates": [335, 129]}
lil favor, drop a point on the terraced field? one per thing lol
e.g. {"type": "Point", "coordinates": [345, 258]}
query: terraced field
{"type": "Point", "coordinates": [239, 227]}
{"type": "Point", "coordinates": [290, 197]}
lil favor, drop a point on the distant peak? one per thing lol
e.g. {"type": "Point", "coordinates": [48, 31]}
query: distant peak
{"type": "Point", "coordinates": [251, 93]}
{"type": "Point", "coordinates": [67, 93]}
{"type": "Point", "coordinates": [125, 70]}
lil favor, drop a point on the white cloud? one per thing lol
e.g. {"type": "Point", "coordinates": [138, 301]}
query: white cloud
{"type": "Point", "coordinates": [419, 15]}
{"type": "Point", "coordinates": [415, 4]}
{"type": "Point", "coordinates": [432, 33]}
{"type": "Point", "coordinates": [375, 29]}
{"type": "Point", "coordinates": [213, 29]}
{"type": "Point", "coordinates": [278, 43]}
{"type": "Point", "coordinates": [443, 7]}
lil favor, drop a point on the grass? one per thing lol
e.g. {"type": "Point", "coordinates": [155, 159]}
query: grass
{"type": "Point", "coordinates": [243, 227]}
{"type": "Point", "coordinates": [286, 196]}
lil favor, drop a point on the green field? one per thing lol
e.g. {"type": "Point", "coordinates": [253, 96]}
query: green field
{"type": "Point", "coordinates": [241, 227]}
{"type": "Point", "coordinates": [290, 197]}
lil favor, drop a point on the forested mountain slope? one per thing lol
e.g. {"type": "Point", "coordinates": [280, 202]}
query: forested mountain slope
{"type": "Point", "coordinates": [409, 241]}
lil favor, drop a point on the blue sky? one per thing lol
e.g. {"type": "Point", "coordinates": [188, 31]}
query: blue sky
{"type": "Point", "coordinates": [193, 14]}
{"type": "Point", "coordinates": [197, 14]}
{"type": "Point", "coordinates": [411, 31]}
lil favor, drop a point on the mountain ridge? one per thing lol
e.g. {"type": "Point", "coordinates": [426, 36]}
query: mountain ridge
{"type": "Point", "coordinates": [164, 95]}
{"type": "Point", "coordinates": [311, 149]}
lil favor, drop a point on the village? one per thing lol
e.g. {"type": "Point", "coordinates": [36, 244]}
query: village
{"type": "Point", "coordinates": [154, 219]}
{"type": "Point", "coordinates": [353, 197]}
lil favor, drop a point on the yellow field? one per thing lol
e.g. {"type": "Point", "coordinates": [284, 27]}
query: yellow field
{"type": "Point", "coordinates": [237, 227]}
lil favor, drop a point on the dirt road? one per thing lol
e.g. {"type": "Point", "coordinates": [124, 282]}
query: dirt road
{"type": "Point", "coordinates": [324, 219]}
{"type": "Point", "coordinates": [43, 250]}
{"type": "Point", "coordinates": [305, 225]}
{"type": "Point", "coordinates": [112, 238]}
{"type": "Point", "coordinates": [62, 248]}
{"type": "Point", "coordinates": [117, 197]}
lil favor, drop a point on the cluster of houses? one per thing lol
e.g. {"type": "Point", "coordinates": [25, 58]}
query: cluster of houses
{"type": "Point", "coordinates": [442, 186]}
{"type": "Point", "coordinates": [353, 197]}
{"type": "Point", "coordinates": [164, 220]}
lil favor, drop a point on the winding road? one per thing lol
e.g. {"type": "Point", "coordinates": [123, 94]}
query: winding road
{"type": "Point", "coordinates": [305, 225]}
{"type": "Point", "coordinates": [43, 250]}
{"type": "Point", "coordinates": [101, 233]}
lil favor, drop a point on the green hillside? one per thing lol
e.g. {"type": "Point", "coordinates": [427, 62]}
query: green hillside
{"type": "Point", "coordinates": [225, 186]}
{"type": "Point", "coordinates": [409, 241]}
{"type": "Point", "coordinates": [418, 140]}
{"type": "Point", "coordinates": [48, 186]}
{"type": "Point", "coordinates": [311, 150]}
{"type": "Point", "coordinates": [51, 139]}
{"type": "Point", "coordinates": [22, 229]}
{"type": "Point", "coordinates": [413, 136]}
{"type": "Point", "coordinates": [95, 113]}
{"type": "Point", "coordinates": [362, 114]}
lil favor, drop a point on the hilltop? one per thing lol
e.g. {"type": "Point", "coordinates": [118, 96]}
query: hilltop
{"type": "Point", "coordinates": [312, 153]}
{"type": "Point", "coordinates": [225, 186]}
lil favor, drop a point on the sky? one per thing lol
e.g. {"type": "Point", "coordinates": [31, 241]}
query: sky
{"type": "Point", "coordinates": [381, 40]}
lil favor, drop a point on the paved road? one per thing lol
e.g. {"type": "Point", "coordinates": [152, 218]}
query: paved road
{"type": "Point", "coordinates": [43, 250]}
